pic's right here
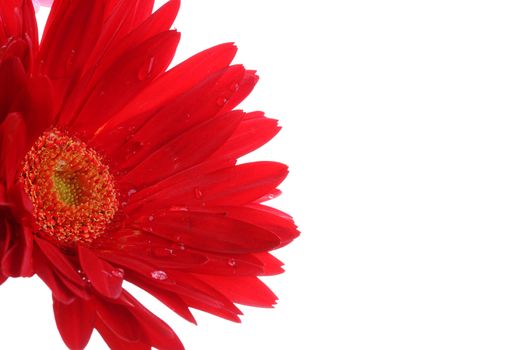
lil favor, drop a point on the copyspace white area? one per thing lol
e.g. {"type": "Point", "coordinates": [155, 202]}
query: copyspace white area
{"type": "Point", "coordinates": [403, 125]}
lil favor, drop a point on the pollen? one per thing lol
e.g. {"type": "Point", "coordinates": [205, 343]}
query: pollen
{"type": "Point", "coordinates": [72, 190]}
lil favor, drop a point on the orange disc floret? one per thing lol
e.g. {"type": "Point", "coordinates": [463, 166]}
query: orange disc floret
{"type": "Point", "coordinates": [72, 190]}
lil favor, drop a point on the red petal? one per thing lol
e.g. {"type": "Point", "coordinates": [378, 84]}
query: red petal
{"type": "Point", "coordinates": [254, 131]}
{"type": "Point", "coordinates": [194, 293]}
{"type": "Point", "coordinates": [13, 82]}
{"type": "Point", "coordinates": [130, 74]}
{"type": "Point", "coordinates": [103, 276]}
{"type": "Point", "coordinates": [59, 261]}
{"type": "Point", "coordinates": [143, 277]}
{"type": "Point", "coordinates": [119, 34]}
{"type": "Point", "coordinates": [50, 278]}
{"type": "Point", "coordinates": [129, 263]}
{"type": "Point", "coordinates": [171, 300]}
{"type": "Point", "coordinates": [141, 272]}
{"type": "Point", "coordinates": [143, 11]}
{"type": "Point", "coordinates": [115, 342]}
{"type": "Point", "coordinates": [242, 290]}
{"type": "Point", "coordinates": [75, 322]}
{"type": "Point", "coordinates": [272, 265]}
{"type": "Point", "coordinates": [242, 89]}
{"type": "Point", "coordinates": [11, 20]}
{"type": "Point", "coordinates": [114, 47]}
{"type": "Point", "coordinates": [191, 292]}
{"type": "Point", "coordinates": [82, 292]}
{"type": "Point", "coordinates": [212, 232]}
{"type": "Point", "coordinates": [233, 186]}
{"type": "Point", "coordinates": [29, 29]}
{"type": "Point", "coordinates": [158, 332]}
{"type": "Point", "coordinates": [6, 234]}
{"type": "Point", "coordinates": [17, 261]}
{"type": "Point", "coordinates": [199, 103]}
{"type": "Point", "coordinates": [270, 219]}
{"type": "Point", "coordinates": [18, 22]}
{"type": "Point", "coordinates": [188, 149]}
{"type": "Point", "coordinates": [66, 43]}
{"type": "Point", "coordinates": [121, 22]}
{"type": "Point", "coordinates": [195, 106]}
{"type": "Point", "coordinates": [13, 146]}
{"type": "Point", "coordinates": [216, 304]}
{"type": "Point", "coordinates": [40, 111]}
{"type": "Point", "coordinates": [230, 265]}
{"type": "Point", "coordinates": [181, 79]}
{"type": "Point", "coordinates": [154, 250]}
{"type": "Point", "coordinates": [119, 321]}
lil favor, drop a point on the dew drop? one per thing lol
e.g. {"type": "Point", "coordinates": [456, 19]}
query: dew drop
{"type": "Point", "coordinates": [119, 273]}
{"type": "Point", "coordinates": [159, 275]}
{"type": "Point", "coordinates": [147, 68]}
{"type": "Point", "coordinates": [135, 146]}
{"type": "Point", "coordinates": [162, 252]}
{"type": "Point", "coordinates": [151, 218]}
{"type": "Point", "coordinates": [197, 192]}
{"type": "Point", "coordinates": [131, 192]}
{"type": "Point", "coordinates": [234, 87]}
{"type": "Point", "coordinates": [232, 262]}
{"type": "Point", "coordinates": [176, 208]}
{"type": "Point", "coordinates": [221, 101]}
{"type": "Point", "coordinates": [71, 60]}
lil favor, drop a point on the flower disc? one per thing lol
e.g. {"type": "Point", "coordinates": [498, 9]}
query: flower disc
{"type": "Point", "coordinates": [72, 190]}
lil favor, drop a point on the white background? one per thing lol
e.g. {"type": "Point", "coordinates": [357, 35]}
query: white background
{"type": "Point", "coordinates": [403, 128]}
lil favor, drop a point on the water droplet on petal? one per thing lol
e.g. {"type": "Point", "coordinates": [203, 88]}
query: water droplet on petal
{"type": "Point", "coordinates": [159, 275]}
{"type": "Point", "coordinates": [119, 273]}
{"type": "Point", "coordinates": [147, 69]}
{"type": "Point", "coordinates": [197, 192]}
{"type": "Point", "coordinates": [221, 101]}
{"type": "Point", "coordinates": [234, 87]}
{"type": "Point", "coordinates": [151, 218]}
{"type": "Point", "coordinates": [135, 146]}
{"type": "Point", "coordinates": [71, 60]}
{"type": "Point", "coordinates": [232, 262]}
{"type": "Point", "coordinates": [162, 252]}
{"type": "Point", "coordinates": [176, 208]}
{"type": "Point", "coordinates": [131, 192]}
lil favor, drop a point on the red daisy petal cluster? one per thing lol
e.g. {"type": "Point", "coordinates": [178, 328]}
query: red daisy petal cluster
{"type": "Point", "coordinates": [114, 168]}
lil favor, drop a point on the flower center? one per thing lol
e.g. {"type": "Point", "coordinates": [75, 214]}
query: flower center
{"type": "Point", "coordinates": [72, 191]}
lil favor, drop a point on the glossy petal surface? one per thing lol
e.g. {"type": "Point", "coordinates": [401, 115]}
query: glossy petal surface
{"type": "Point", "coordinates": [186, 221]}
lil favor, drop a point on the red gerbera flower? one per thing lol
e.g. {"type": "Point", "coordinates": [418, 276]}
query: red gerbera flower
{"type": "Point", "coordinates": [113, 169]}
